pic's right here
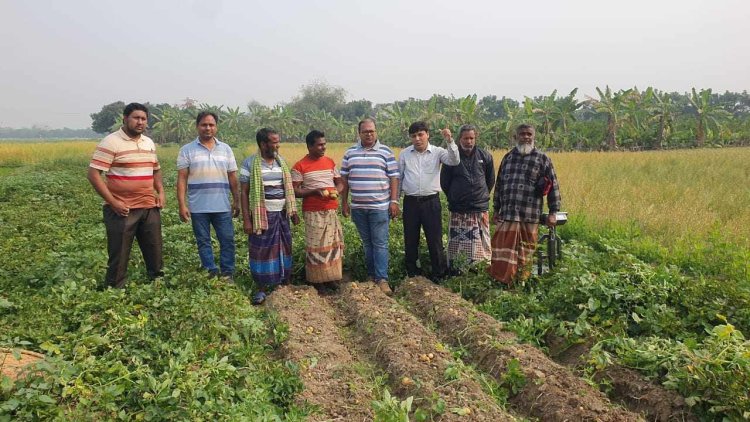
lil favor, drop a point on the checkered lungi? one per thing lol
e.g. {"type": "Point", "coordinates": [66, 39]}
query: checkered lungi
{"type": "Point", "coordinates": [469, 236]}
{"type": "Point", "coordinates": [513, 246]}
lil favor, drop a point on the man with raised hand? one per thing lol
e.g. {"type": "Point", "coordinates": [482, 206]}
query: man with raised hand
{"type": "Point", "coordinates": [133, 194]}
{"type": "Point", "coordinates": [317, 181]}
{"type": "Point", "coordinates": [525, 176]}
{"type": "Point", "coordinates": [207, 173]}
{"type": "Point", "coordinates": [370, 172]}
{"type": "Point", "coordinates": [467, 187]}
{"type": "Point", "coordinates": [419, 168]}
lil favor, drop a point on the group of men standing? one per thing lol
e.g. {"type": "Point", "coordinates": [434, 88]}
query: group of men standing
{"type": "Point", "coordinates": [210, 193]}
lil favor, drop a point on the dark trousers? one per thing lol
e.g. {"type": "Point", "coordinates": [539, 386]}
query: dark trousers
{"type": "Point", "coordinates": [143, 224]}
{"type": "Point", "coordinates": [426, 213]}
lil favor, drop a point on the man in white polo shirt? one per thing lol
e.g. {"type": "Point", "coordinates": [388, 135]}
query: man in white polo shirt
{"type": "Point", "coordinates": [207, 172]}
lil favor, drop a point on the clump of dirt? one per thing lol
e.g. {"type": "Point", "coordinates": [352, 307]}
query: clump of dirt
{"type": "Point", "coordinates": [628, 387]}
{"type": "Point", "coordinates": [326, 367]}
{"type": "Point", "coordinates": [13, 367]}
{"type": "Point", "coordinates": [414, 358]}
{"type": "Point", "coordinates": [551, 392]}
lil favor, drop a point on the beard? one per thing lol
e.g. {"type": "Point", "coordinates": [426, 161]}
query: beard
{"type": "Point", "coordinates": [524, 149]}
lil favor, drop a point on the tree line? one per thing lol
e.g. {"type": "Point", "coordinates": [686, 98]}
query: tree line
{"type": "Point", "coordinates": [43, 132]}
{"type": "Point", "coordinates": [624, 119]}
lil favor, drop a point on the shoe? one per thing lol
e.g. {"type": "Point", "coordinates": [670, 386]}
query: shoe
{"type": "Point", "coordinates": [228, 277]}
{"type": "Point", "coordinates": [213, 273]}
{"type": "Point", "coordinates": [259, 298]}
{"type": "Point", "coordinates": [384, 287]}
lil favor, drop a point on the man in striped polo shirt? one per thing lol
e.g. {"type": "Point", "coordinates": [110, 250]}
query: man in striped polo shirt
{"type": "Point", "coordinates": [133, 195]}
{"type": "Point", "coordinates": [370, 172]}
{"type": "Point", "coordinates": [207, 172]}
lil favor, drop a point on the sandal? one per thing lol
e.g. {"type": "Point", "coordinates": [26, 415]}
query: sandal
{"type": "Point", "coordinates": [259, 298]}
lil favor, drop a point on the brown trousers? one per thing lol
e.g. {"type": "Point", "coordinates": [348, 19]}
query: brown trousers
{"type": "Point", "coordinates": [143, 224]}
{"type": "Point", "coordinates": [513, 246]}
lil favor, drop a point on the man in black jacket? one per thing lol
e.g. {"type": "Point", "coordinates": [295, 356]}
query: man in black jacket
{"type": "Point", "coordinates": [467, 187]}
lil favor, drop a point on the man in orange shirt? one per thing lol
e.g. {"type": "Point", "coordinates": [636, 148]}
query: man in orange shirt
{"type": "Point", "coordinates": [133, 195]}
{"type": "Point", "coordinates": [316, 180]}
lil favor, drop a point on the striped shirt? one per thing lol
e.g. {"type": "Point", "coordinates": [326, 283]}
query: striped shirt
{"type": "Point", "coordinates": [368, 172]}
{"type": "Point", "coordinates": [129, 164]}
{"type": "Point", "coordinates": [273, 182]}
{"type": "Point", "coordinates": [316, 174]}
{"type": "Point", "coordinates": [208, 181]}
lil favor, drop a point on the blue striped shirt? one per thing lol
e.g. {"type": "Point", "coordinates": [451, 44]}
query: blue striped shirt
{"type": "Point", "coordinates": [208, 182]}
{"type": "Point", "coordinates": [368, 172]}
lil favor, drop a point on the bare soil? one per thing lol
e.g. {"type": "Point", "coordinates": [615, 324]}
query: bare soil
{"type": "Point", "coordinates": [334, 336]}
{"type": "Point", "coordinates": [551, 391]}
{"type": "Point", "coordinates": [628, 387]}
{"type": "Point", "coordinates": [331, 381]}
{"type": "Point", "coordinates": [14, 368]}
{"type": "Point", "coordinates": [414, 357]}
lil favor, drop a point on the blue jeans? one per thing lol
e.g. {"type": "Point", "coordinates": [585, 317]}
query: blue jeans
{"type": "Point", "coordinates": [222, 222]}
{"type": "Point", "coordinates": [372, 226]}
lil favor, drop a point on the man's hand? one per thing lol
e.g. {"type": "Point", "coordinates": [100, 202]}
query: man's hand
{"type": "Point", "coordinates": [247, 227]}
{"type": "Point", "coordinates": [497, 219]}
{"type": "Point", "coordinates": [447, 136]}
{"type": "Point", "coordinates": [119, 208]}
{"type": "Point", "coordinates": [235, 209]}
{"type": "Point", "coordinates": [295, 218]}
{"type": "Point", "coordinates": [161, 200]}
{"type": "Point", "coordinates": [552, 219]}
{"type": "Point", "coordinates": [394, 210]}
{"type": "Point", "coordinates": [184, 214]}
{"type": "Point", "coordinates": [345, 211]}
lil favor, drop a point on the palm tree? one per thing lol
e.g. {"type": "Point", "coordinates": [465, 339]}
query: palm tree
{"type": "Point", "coordinates": [707, 115]}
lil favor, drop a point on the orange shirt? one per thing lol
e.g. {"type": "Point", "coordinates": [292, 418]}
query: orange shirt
{"type": "Point", "coordinates": [316, 174]}
{"type": "Point", "coordinates": [129, 165]}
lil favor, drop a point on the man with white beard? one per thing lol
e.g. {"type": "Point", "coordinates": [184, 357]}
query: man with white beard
{"type": "Point", "coordinates": [525, 176]}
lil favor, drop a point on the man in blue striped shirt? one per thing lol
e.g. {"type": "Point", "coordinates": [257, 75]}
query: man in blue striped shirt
{"type": "Point", "coordinates": [370, 172]}
{"type": "Point", "coordinates": [207, 172]}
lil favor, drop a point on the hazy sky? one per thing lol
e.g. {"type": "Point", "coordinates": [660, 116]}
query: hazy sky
{"type": "Point", "coordinates": [65, 59]}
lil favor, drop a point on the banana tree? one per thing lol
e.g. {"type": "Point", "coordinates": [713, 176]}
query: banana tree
{"type": "Point", "coordinates": [466, 110]}
{"type": "Point", "coordinates": [565, 112]}
{"type": "Point", "coordinates": [635, 114]}
{"type": "Point", "coordinates": [545, 107]}
{"type": "Point", "coordinates": [611, 105]}
{"type": "Point", "coordinates": [661, 109]}
{"type": "Point", "coordinates": [232, 124]}
{"type": "Point", "coordinates": [708, 116]}
{"type": "Point", "coordinates": [173, 125]}
{"type": "Point", "coordinates": [282, 119]}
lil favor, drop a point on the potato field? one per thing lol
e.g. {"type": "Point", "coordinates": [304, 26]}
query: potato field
{"type": "Point", "coordinates": [645, 318]}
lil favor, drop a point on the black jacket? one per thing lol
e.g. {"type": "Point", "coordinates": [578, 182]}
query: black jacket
{"type": "Point", "coordinates": [467, 185]}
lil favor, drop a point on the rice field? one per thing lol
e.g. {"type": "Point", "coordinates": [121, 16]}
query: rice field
{"type": "Point", "coordinates": [674, 196]}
